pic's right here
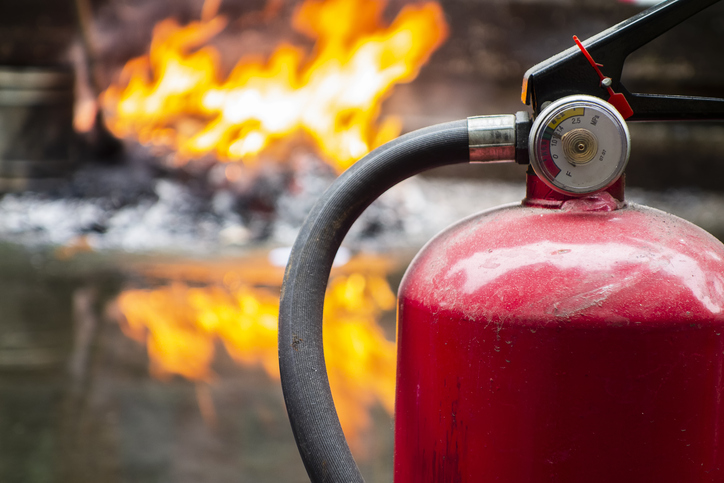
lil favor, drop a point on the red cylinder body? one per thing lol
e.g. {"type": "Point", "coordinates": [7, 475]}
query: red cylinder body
{"type": "Point", "coordinates": [578, 342]}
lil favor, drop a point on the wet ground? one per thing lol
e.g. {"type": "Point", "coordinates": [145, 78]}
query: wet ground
{"type": "Point", "coordinates": [77, 401]}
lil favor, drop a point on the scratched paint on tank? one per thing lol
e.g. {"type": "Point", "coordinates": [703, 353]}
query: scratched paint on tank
{"type": "Point", "coordinates": [563, 345]}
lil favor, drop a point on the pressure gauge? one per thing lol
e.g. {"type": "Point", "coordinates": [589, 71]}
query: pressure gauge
{"type": "Point", "coordinates": [579, 145]}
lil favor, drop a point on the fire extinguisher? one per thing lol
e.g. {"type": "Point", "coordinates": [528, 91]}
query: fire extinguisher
{"type": "Point", "coordinates": [574, 337]}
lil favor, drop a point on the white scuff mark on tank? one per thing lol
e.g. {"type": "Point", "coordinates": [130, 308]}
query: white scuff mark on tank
{"type": "Point", "coordinates": [644, 258]}
{"type": "Point", "coordinates": [713, 255]}
{"type": "Point", "coordinates": [580, 302]}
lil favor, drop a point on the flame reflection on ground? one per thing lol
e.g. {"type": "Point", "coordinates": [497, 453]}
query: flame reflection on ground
{"type": "Point", "coordinates": [174, 97]}
{"type": "Point", "coordinates": [182, 322]}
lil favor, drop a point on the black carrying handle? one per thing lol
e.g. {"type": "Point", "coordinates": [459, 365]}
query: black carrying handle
{"type": "Point", "coordinates": [312, 414]}
{"type": "Point", "coordinates": [569, 72]}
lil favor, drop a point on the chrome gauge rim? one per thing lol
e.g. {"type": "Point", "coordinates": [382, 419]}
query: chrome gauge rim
{"type": "Point", "coordinates": [579, 145]}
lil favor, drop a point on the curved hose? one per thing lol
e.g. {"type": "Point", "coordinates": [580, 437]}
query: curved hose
{"type": "Point", "coordinates": [314, 420]}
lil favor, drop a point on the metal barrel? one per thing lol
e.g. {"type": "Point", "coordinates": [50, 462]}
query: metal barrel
{"type": "Point", "coordinates": [36, 127]}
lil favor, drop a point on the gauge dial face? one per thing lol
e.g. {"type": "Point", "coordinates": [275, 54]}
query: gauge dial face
{"type": "Point", "coordinates": [579, 145]}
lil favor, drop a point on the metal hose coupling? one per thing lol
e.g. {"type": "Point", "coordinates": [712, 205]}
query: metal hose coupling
{"type": "Point", "coordinates": [500, 138]}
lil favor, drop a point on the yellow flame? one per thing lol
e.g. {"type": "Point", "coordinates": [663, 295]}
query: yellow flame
{"type": "Point", "coordinates": [181, 324]}
{"type": "Point", "coordinates": [173, 96]}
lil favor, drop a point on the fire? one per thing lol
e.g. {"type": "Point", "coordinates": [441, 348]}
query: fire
{"type": "Point", "coordinates": [181, 324]}
{"type": "Point", "coordinates": [174, 98]}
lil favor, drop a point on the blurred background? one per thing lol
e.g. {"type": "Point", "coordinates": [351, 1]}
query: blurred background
{"type": "Point", "coordinates": [157, 158]}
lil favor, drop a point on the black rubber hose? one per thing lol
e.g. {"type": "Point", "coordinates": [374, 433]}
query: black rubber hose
{"type": "Point", "coordinates": [313, 417]}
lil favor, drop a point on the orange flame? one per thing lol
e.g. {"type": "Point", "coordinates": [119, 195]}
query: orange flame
{"type": "Point", "coordinates": [173, 98]}
{"type": "Point", "coordinates": [180, 325]}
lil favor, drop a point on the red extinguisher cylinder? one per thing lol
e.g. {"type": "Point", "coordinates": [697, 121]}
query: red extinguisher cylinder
{"type": "Point", "coordinates": [563, 340]}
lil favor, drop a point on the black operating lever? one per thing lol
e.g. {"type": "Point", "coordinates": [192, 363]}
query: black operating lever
{"type": "Point", "coordinates": [570, 72]}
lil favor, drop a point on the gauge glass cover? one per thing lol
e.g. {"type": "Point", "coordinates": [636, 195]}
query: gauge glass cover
{"type": "Point", "coordinates": [579, 145]}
